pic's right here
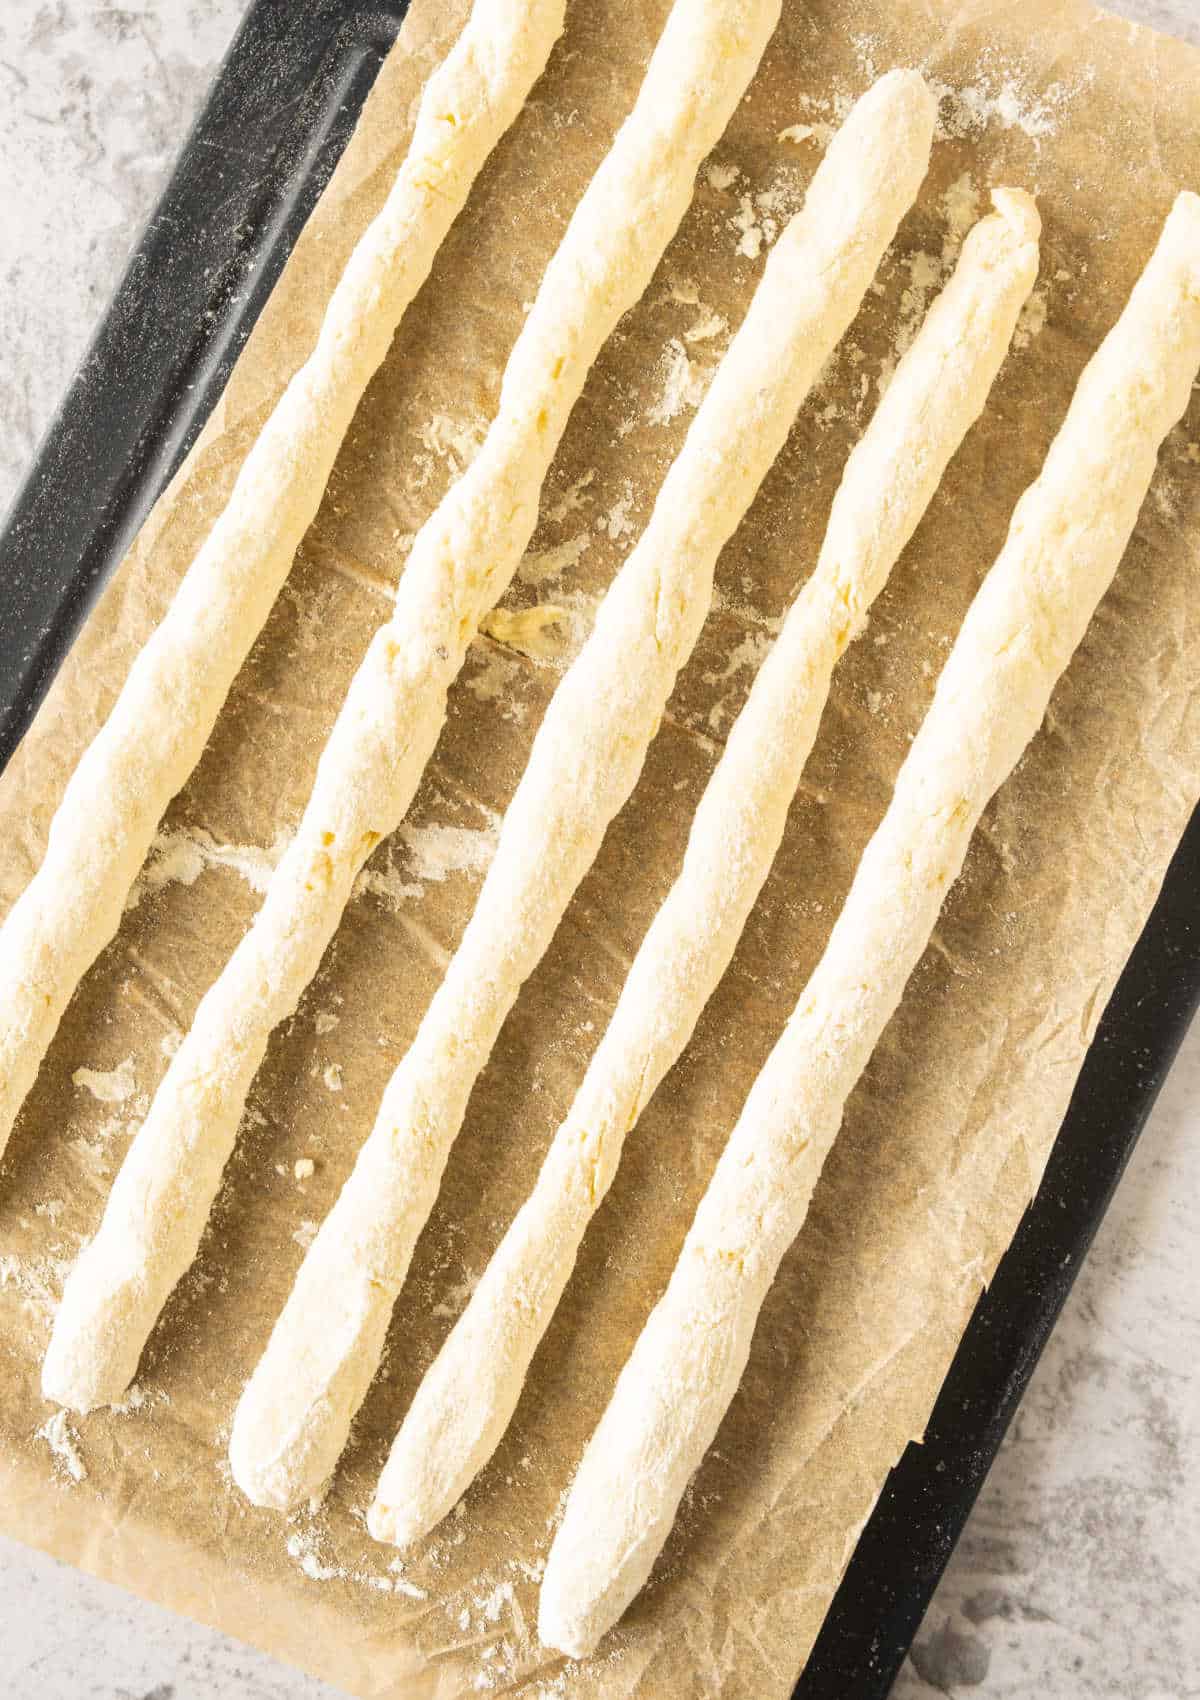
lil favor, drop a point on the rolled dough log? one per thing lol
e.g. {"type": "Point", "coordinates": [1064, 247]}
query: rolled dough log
{"type": "Point", "coordinates": [295, 1415]}
{"type": "Point", "coordinates": [1067, 536]}
{"type": "Point", "coordinates": [468, 1396]}
{"type": "Point", "coordinates": [461, 561]}
{"type": "Point", "coordinates": [162, 719]}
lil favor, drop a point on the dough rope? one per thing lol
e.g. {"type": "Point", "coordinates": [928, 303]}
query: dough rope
{"type": "Point", "coordinates": [295, 1415]}
{"type": "Point", "coordinates": [169, 704]}
{"type": "Point", "coordinates": [460, 563]}
{"type": "Point", "coordinates": [468, 1396]}
{"type": "Point", "coordinates": [1068, 533]}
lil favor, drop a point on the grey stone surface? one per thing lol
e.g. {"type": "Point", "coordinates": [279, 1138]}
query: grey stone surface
{"type": "Point", "coordinates": [1079, 1575]}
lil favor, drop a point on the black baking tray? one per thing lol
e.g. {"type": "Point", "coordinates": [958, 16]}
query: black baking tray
{"type": "Point", "coordinates": [280, 112]}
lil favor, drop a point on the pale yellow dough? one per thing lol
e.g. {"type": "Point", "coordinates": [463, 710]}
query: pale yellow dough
{"type": "Point", "coordinates": [163, 717]}
{"type": "Point", "coordinates": [1067, 536]}
{"type": "Point", "coordinates": [467, 1398]}
{"type": "Point", "coordinates": [295, 1415]}
{"type": "Point", "coordinates": [460, 563]}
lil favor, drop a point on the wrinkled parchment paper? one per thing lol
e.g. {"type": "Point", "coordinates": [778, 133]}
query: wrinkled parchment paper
{"type": "Point", "coordinates": [948, 1133]}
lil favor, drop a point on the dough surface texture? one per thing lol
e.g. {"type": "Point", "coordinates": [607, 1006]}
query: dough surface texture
{"type": "Point", "coordinates": [470, 1392]}
{"type": "Point", "coordinates": [295, 1416]}
{"type": "Point", "coordinates": [1068, 533]}
{"type": "Point", "coordinates": [169, 704]}
{"type": "Point", "coordinates": [461, 562]}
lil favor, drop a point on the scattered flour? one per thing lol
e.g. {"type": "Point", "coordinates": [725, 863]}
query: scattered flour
{"type": "Point", "coordinates": [324, 1022]}
{"type": "Point", "coordinates": [572, 499]}
{"type": "Point", "coordinates": [750, 232]}
{"type": "Point", "coordinates": [683, 384]}
{"type": "Point", "coordinates": [457, 1297]}
{"type": "Point", "coordinates": [616, 523]}
{"type": "Point", "coordinates": [435, 852]}
{"type": "Point", "coordinates": [455, 441]}
{"type": "Point", "coordinates": [762, 213]}
{"type": "Point", "coordinates": [1032, 321]}
{"type": "Point", "coordinates": [179, 856]}
{"type": "Point", "coordinates": [63, 1442]}
{"type": "Point", "coordinates": [38, 1281]}
{"type": "Point", "coordinates": [137, 1400]}
{"type": "Point", "coordinates": [388, 884]}
{"type": "Point", "coordinates": [721, 176]}
{"type": "Point", "coordinates": [1002, 102]}
{"type": "Point", "coordinates": [112, 1087]}
{"type": "Point", "coordinates": [305, 1234]}
{"type": "Point", "coordinates": [709, 324]}
{"type": "Point", "coordinates": [332, 1076]}
{"type": "Point", "coordinates": [431, 853]}
{"type": "Point", "coordinates": [491, 1606]}
{"type": "Point", "coordinates": [302, 1548]}
{"type": "Point", "coordinates": [750, 652]}
{"type": "Point", "coordinates": [683, 290]}
{"type": "Point", "coordinates": [304, 1168]}
{"type": "Point", "coordinates": [542, 565]}
{"type": "Point", "coordinates": [818, 132]}
{"type": "Point", "coordinates": [491, 678]}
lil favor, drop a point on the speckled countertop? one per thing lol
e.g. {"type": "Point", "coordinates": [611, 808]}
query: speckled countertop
{"type": "Point", "coordinates": [1079, 1573]}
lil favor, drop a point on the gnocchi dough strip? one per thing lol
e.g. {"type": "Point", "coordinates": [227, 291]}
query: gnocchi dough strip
{"type": "Point", "coordinates": [467, 1398]}
{"type": "Point", "coordinates": [295, 1414]}
{"type": "Point", "coordinates": [162, 719]}
{"type": "Point", "coordinates": [1068, 533]}
{"type": "Point", "coordinates": [460, 563]}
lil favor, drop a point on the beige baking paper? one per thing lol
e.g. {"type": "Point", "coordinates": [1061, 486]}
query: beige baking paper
{"type": "Point", "coordinates": [947, 1135]}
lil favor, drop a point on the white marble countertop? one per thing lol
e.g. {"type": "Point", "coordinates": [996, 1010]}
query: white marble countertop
{"type": "Point", "coordinates": [1079, 1573]}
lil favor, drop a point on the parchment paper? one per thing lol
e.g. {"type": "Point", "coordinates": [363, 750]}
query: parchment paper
{"type": "Point", "coordinates": [948, 1133]}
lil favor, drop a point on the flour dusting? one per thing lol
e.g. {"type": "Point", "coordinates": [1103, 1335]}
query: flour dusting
{"type": "Point", "coordinates": [111, 1087]}
{"type": "Point", "coordinates": [305, 1234]}
{"type": "Point", "coordinates": [38, 1281]}
{"type": "Point", "coordinates": [457, 1297]}
{"type": "Point", "coordinates": [63, 1442]}
{"type": "Point", "coordinates": [722, 176]}
{"type": "Point", "coordinates": [1032, 321]}
{"type": "Point", "coordinates": [1003, 102]}
{"type": "Point", "coordinates": [179, 855]}
{"type": "Point", "coordinates": [709, 324]}
{"type": "Point", "coordinates": [455, 441]}
{"type": "Point", "coordinates": [386, 883]}
{"type": "Point", "coordinates": [572, 499]}
{"type": "Point", "coordinates": [542, 565]}
{"type": "Point", "coordinates": [683, 384]}
{"type": "Point", "coordinates": [818, 132]}
{"type": "Point", "coordinates": [617, 523]}
{"type": "Point", "coordinates": [436, 852]}
{"type": "Point", "coordinates": [491, 678]}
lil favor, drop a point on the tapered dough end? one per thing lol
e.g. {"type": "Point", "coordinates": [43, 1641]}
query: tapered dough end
{"type": "Point", "coordinates": [1183, 224]}
{"type": "Point", "coordinates": [96, 1342]}
{"type": "Point", "coordinates": [1019, 210]}
{"type": "Point", "coordinates": [263, 1478]}
{"type": "Point", "coordinates": [909, 93]}
{"type": "Point", "coordinates": [394, 1525]}
{"type": "Point", "coordinates": [272, 1456]}
{"type": "Point", "coordinates": [562, 1626]}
